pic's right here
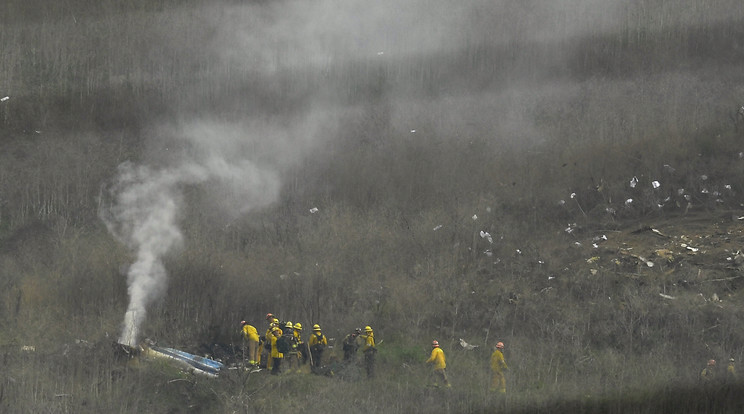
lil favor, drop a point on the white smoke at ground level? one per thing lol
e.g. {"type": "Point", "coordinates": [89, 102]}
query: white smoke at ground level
{"type": "Point", "coordinates": [146, 204]}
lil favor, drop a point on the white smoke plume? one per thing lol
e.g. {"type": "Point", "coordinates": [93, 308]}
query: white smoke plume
{"type": "Point", "coordinates": [146, 203]}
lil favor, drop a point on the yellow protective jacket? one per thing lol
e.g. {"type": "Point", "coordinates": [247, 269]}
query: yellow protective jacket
{"type": "Point", "coordinates": [437, 357]}
{"type": "Point", "coordinates": [298, 336]}
{"type": "Point", "coordinates": [275, 352]}
{"type": "Point", "coordinates": [497, 362]}
{"type": "Point", "coordinates": [369, 342]}
{"type": "Point", "coordinates": [250, 333]}
{"type": "Point", "coordinates": [317, 339]}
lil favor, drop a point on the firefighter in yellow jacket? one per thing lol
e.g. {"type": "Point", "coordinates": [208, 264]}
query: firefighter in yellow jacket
{"type": "Point", "coordinates": [273, 323]}
{"type": "Point", "coordinates": [276, 356]}
{"type": "Point", "coordinates": [250, 339]}
{"type": "Point", "coordinates": [437, 358]}
{"type": "Point", "coordinates": [369, 349]}
{"type": "Point", "coordinates": [301, 345]}
{"type": "Point", "coordinates": [498, 366]}
{"type": "Point", "coordinates": [318, 344]}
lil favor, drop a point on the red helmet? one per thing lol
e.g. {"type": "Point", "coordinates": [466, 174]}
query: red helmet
{"type": "Point", "coordinates": [269, 316]}
{"type": "Point", "coordinates": [500, 345]}
{"type": "Point", "coordinates": [243, 323]}
{"type": "Point", "coordinates": [435, 343]}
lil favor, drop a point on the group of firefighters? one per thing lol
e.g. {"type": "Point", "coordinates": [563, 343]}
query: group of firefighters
{"type": "Point", "coordinates": [709, 374]}
{"type": "Point", "coordinates": [283, 342]}
{"type": "Point", "coordinates": [286, 346]}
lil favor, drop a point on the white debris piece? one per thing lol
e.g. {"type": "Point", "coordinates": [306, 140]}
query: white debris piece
{"type": "Point", "coordinates": [690, 248]}
{"type": "Point", "coordinates": [475, 217]}
{"type": "Point", "coordinates": [703, 177]}
{"type": "Point", "coordinates": [466, 345]}
{"type": "Point", "coordinates": [562, 203]}
{"type": "Point", "coordinates": [313, 210]}
{"type": "Point", "coordinates": [633, 182]}
{"type": "Point", "coordinates": [628, 201]}
{"type": "Point", "coordinates": [485, 235]}
{"type": "Point", "coordinates": [573, 195]}
{"type": "Point", "coordinates": [648, 262]}
{"type": "Point", "coordinates": [655, 184]}
{"type": "Point", "coordinates": [727, 186]}
{"type": "Point", "coordinates": [4, 98]}
{"type": "Point", "coordinates": [413, 131]}
{"type": "Point", "coordinates": [438, 226]}
{"type": "Point", "coordinates": [667, 296]}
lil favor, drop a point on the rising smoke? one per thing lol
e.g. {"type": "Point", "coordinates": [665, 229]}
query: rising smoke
{"type": "Point", "coordinates": [239, 164]}
{"type": "Point", "coordinates": [147, 201]}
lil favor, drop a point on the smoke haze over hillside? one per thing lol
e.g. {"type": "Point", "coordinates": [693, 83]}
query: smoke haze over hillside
{"type": "Point", "coordinates": [422, 62]}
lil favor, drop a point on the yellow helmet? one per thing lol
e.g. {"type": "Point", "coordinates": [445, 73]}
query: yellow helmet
{"type": "Point", "coordinates": [275, 320]}
{"type": "Point", "coordinates": [316, 327]}
{"type": "Point", "coordinates": [289, 325]}
{"type": "Point", "coordinates": [367, 328]}
{"type": "Point", "coordinates": [298, 326]}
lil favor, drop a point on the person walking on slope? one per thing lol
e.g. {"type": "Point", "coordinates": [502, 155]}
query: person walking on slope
{"type": "Point", "coordinates": [369, 351]}
{"type": "Point", "coordinates": [731, 371]}
{"type": "Point", "coordinates": [437, 358]}
{"type": "Point", "coordinates": [276, 356]}
{"type": "Point", "coordinates": [708, 374]}
{"type": "Point", "coordinates": [250, 343]}
{"type": "Point", "coordinates": [498, 366]}
{"type": "Point", "coordinates": [318, 344]}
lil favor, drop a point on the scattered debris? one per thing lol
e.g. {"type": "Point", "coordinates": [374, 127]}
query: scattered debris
{"type": "Point", "coordinates": [652, 230]}
{"type": "Point", "coordinates": [466, 345]}
{"type": "Point", "coordinates": [485, 235]}
{"type": "Point", "coordinates": [667, 296]}
{"type": "Point", "coordinates": [313, 210]}
{"type": "Point", "coordinates": [690, 248]}
{"type": "Point", "coordinates": [633, 182]}
{"type": "Point", "coordinates": [4, 98]}
{"type": "Point", "coordinates": [438, 226]}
